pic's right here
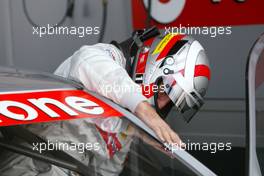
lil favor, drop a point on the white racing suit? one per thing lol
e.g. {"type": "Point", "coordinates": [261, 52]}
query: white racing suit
{"type": "Point", "coordinates": [100, 68]}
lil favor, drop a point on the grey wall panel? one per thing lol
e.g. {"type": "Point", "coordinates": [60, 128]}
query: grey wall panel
{"type": "Point", "coordinates": [218, 121]}
{"type": "Point", "coordinates": [46, 53]}
{"type": "Point", "coordinates": [228, 57]}
{"type": "Point", "coordinates": [2, 42]}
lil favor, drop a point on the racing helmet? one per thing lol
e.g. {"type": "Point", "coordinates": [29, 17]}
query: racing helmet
{"type": "Point", "coordinates": [176, 64]}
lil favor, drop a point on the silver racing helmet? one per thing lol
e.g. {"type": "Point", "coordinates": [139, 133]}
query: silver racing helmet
{"type": "Point", "coordinates": [177, 65]}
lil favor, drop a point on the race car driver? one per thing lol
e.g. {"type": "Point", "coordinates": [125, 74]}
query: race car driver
{"type": "Point", "coordinates": [103, 68]}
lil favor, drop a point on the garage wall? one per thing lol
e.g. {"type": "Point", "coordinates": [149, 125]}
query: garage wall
{"type": "Point", "coordinates": [46, 53]}
{"type": "Point", "coordinates": [227, 55]}
{"type": "Point", "coordinates": [2, 55]}
{"type": "Point", "coordinates": [6, 48]}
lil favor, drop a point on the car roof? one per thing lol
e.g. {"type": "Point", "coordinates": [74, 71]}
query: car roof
{"type": "Point", "coordinates": [12, 80]}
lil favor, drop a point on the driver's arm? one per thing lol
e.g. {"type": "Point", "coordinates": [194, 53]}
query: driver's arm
{"type": "Point", "coordinates": [100, 71]}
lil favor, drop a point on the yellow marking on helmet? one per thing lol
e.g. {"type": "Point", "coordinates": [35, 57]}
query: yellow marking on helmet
{"type": "Point", "coordinates": [163, 43]}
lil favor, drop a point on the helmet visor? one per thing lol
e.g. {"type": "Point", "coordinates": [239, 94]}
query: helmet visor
{"type": "Point", "coordinates": [185, 106]}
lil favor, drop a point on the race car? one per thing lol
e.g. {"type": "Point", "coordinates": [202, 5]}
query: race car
{"type": "Point", "coordinates": [22, 94]}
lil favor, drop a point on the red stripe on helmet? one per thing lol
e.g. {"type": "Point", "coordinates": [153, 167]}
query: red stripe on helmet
{"type": "Point", "coordinates": [202, 70]}
{"type": "Point", "coordinates": [167, 48]}
{"type": "Point", "coordinates": [143, 57]}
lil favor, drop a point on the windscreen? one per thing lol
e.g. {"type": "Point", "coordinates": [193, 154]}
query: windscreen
{"type": "Point", "coordinates": [149, 157]}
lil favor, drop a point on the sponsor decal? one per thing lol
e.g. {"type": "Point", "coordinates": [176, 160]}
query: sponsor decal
{"type": "Point", "coordinates": [166, 11]}
{"type": "Point", "coordinates": [198, 13]}
{"type": "Point", "coordinates": [112, 141]}
{"type": "Point", "coordinates": [36, 107]}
